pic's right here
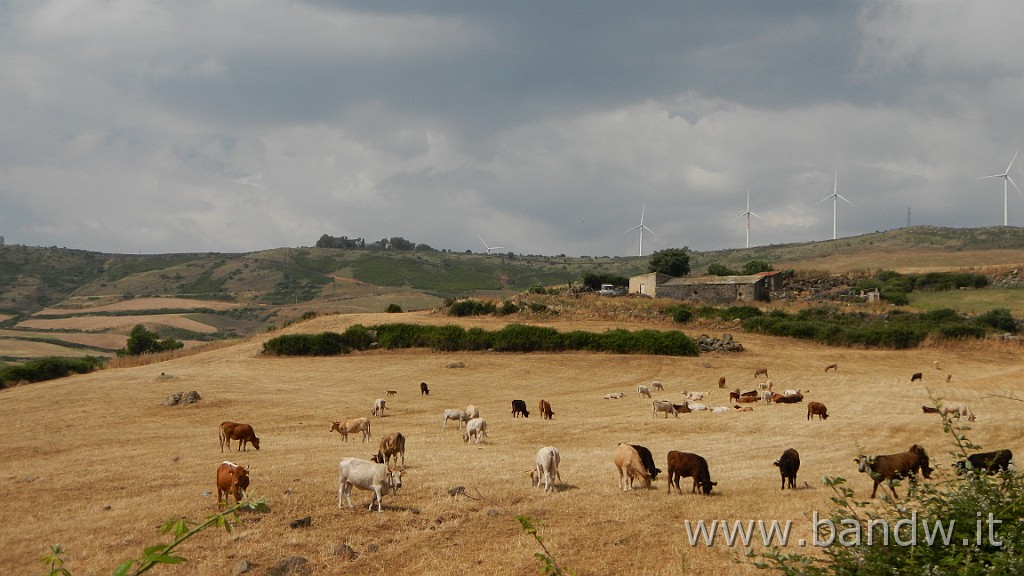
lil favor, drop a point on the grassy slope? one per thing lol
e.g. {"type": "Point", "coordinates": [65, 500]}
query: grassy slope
{"type": "Point", "coordinates": [103, 485]}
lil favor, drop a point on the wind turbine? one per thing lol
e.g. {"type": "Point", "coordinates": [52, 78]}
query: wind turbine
{"type": "Point", "coordinates": [641, 227]}
{"type": "Point", "coordinates": [835, 196]}
{"type": "Point", "coordinates": [489, 248]}
{"type": "Point", "coordinates": [1006, 178]}
{"type": "Point", "coordinates": [748, 214]}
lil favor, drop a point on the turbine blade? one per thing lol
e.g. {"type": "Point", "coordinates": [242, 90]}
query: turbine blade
{"type": "Point", "coordinates": [1010, 180]}
{"type": "Point", "coordinates": [756, 216]}
{"type": "Point", "coordinates": [633, 228]}
{"type": "Point", "coordinates": [482, 240]}
{"type": "Point", "coordinates": [992, 176]}
{"type": "Point", "coordinates": [845, 200]}
{"type": "Point", "coordinates": [829, 197]}
{"type": "Point", "coordinates": [1011, 161]}
{"type": "Point", "coordinates": [651, 231]}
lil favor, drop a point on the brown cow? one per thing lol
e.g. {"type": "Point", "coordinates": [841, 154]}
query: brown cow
{"type": "Point", "coordinates": [817, 409]}
{"type": "Point", "coordinates": [687, 465]}
{"type": "Point", "coordinates": [760, 371]}
{"type": "Point", "coordinates": [916, 376]}
{"type": "Point", "coordinates": [232, 480]}
{"type": "Point", "coordinates": [890, 466]}
{"type": "Point", "coordinates": [630, 467]}
{"type": "Point", "coordinates": [721, 381]}
{"type": "Point", "coordinates": [424, 389]}
{"type": "Point", "coordinates": [391, 445]}
{"type": "Point", "coordinates": [545, 410]}
{"type": "Point", "coordinates": [346, 427]}
{"type": "Point", "coordinates": [234, 431]}
{"type": "Point", "coordinates": [833, 367]}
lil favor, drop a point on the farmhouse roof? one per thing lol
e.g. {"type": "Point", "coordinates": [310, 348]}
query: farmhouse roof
{"type": "Point", "coordinates": [710, 280]}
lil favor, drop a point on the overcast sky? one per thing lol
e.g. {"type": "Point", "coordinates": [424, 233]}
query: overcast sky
{"type": "Point", "coordinates": [544, 127]}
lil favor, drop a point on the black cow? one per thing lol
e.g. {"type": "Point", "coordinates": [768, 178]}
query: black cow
{"type": "Point", "coordinates": [424, 390]}
{"type": "Point", "coordinates": [990, 462]}
{"type": "Point", "coordinates": [788, 465]}
{"type": "Point", "coordinates": [647, 459]}
{"type": "Point", "coordinates": [519, 407]}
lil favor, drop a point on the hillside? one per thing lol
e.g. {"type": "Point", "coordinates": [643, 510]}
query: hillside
{"type": "Point", "coordinates": [54, 296]}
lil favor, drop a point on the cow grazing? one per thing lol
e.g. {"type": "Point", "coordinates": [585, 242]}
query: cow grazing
{"type": "Point", "coordinates": [392, 392]}
{"type": "Point", "coordinates": [788, 465]}
{"type": "Point", "coordinates": [687, 465]}
{"type": "Point", "coordinates": [476, 428]}
{"type": "Point", "coordinates": [519, 407]}
{"type": "Point", "coordinates": [424, 389]}
{"type": "Point", "coordinates": [642, 391]}
{"type": "Point", "coordinates": [891, 466]}
{"type": "Point", "coordinates": [546, 470]}
{"type": "Point", "coordinates": [392, 445]}
{"type": "Point", "coordinates": [833, 367]}
{"type": "Point", "coordinates": [648, 460]}
{"type": "Point", "coordinates": [761, 371]}
{"type": "Point", "coordinates": [630, 467]}
{"type": "Point", "coordinates": [929, 409]}
{"type": "Point", "coordinates": [916, 376]}
{"type": "Point", "coordinates": [817, 409]}
{"type": "Point", "coordinates": [657, 385]}
{"type": "Point", "coordinates": [232, 480]}
{"type": "Point", "coordinates": [721, 381]}
{"type": "Point", "coordinates": [949, 377]}
{"type": "Point", "coordinates": [235, 431]}
{"type": "Point", "coordinates": [350, 426]}
{"type": "Point", "coordinates": [544, 407]}
{"type": "Point", "coordinates": [958, 409]}
{"type": "Point", "coordinates": [366, 475]}
{"type": "Point", "coordinates": [379, 406]}
{"type": "Point", "coordinates": [472, 412]}
{"type": "Point", "coordinates": [453, 414]}
{"type": "Point", "coordinates": [990, 462]}
{"type": "Point", "coordinates": [663, 406]}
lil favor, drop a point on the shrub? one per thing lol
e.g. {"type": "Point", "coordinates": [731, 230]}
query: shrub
{"type": "Point", "coordinates": [47, 368]}
{"type": "Point", "coordinates": [508, 307]}
{"type": "Point", "coordinates": [448, 338]}
{"type": "Point", "coordinates": [1000, 319]}
{"type": "Point", "coordinates": [717, 269]}
{"type": "Point", "coordinates": [323, 344]}
{"type": "Point", "coordinates": [358, 337]}
{"type": "Point", "coordinates": [681, 314]}
{"type": "Point", "coordinates": [401, 335]}
{"type": "Point", "coordinates": [393, 309]}
{"type": "Point", "coordinates": [461, 308]}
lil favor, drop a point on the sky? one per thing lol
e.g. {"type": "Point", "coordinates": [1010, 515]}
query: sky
{"type": "Point", "coordinates": [538, 127]}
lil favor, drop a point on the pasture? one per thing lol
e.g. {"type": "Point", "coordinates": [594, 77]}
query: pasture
{"type": "Point", "coordinates": [95, 463]}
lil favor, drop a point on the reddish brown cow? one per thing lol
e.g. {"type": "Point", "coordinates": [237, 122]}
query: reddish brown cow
{"type": "Point", "coordinates": [232, 480]}
{"type": "Point", "coordinates": [685, 464]}
{"type": "Point", "coordinates": [817, 409]}
{"type": "Point", "coordinates": [545, 410]}
{"type": "Point", "coordinates": [234, 431]}
{"type": "Point", "coordinates": [721, 381]}
{"type": "Point", "coordinates": [391, 445]}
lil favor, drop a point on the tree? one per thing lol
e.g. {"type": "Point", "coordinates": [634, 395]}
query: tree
{"type": "Point", "coordinates": [756, 266]}
{"type": "Point", "coordinates": [671, 261]}
{"type": "Point", "coordinates": [142, 341]}
{"type": "Point", "coordinates": [719, 269]}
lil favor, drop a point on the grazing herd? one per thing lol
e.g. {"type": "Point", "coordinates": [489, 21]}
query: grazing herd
{"type": "Point", "coordinates": [635, 463]}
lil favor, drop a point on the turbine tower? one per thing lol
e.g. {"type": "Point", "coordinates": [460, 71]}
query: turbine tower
{"type": "Point", "coordinates": [1006, 179]}
{"type": "Point", "coordinates": [641, 227]}
{"type": "Point", "coordinates": [748, 214]}
{"type": "Point", "coordinates": [489, 248]}
{"type": "Point", "coordinates": [835, 196]}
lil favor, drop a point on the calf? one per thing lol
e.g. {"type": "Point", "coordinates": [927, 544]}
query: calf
{"type": "Point", "coordinates": [657, 385]}
{"type": "Point", "coordinates": [817, 409]}
{"type": "Point", "coordinates": [721, 381]}
{"type": "Point", "coordinates": [990, 462]}
{"type": "Point", "coordinates": [392, 392]}
{"type": "Point", "coordinates": [232, 480]}
{"type": "Point", "coordinates": [761, 371]}
{"type": "Point", "coordinates": [379, 406]}
{"type": "Point", "coordinates": [366, 475]}
{"type": "Point", "coordinates": [788, 465]}
{"type": "Point", "coordinates": [519, 407]}
{"type": "Point", "coordinates": [833, 367]}
{"type": "Point", "coordinates": [545, 410]}
{"type": "Point", "coordinates": [916, 376]}
{"type": "Point", "coordinates": [477, 428]}
{"type": "Point", "coordinates": [929, 409]}
{"type": "Point", "coordinates": [891, 466]}
{"type": "Point", "coordinates": [472, 412]}
{"type": "Point", "coordinates": [453, 414]}
{"type": "Point", "coordinates": [546, 470]}
{"type": "Point", "coordinates": [630, 467]}
{"type": "Point", "coordinates": [390, 446]}
{"type": "Point", "coordinates": [663, 406]}
{"type": "Point", "coordinates": [642, 391]}
{"type": "Point", "coordinates": [647, 459]}
{"type": "Point", "coordinates": [235, 431]}
{"type": "Point", "coordinates": [424, 389]}
{"type": "Point", "coordinates": [346, 427]}
{"type": "Point", "coordinates": [684, 465]}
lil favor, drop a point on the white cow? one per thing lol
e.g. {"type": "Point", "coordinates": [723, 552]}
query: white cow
{"type": "Point", "coordinates": [614, 396]}
{"type": "Point", "coordinates": [663, 406]}
{"type": "Point", "coordinates": [547, 459]}
{"type": "Point", "coordinates": [766, 396]}
{"type": "Point", "coordinates": [694, 396]}
{"type": "Point", "coordinates": [642, 390]}
{"type": "Point", "coordinates": [472, 412]}
{"type": "Point", "coordinates": [959, 409]}
{"type": "Point", "coordinates": [657, 385]}
{"type": "Point", "coordinates": [453, 414]}
{"type": "Point", "coordinates": [720, 410]}
{"type": "Point", "coordinates": [696, 406]}
{"type": "Point", "coordinates": [792, 392]}
{"type": "Point", "coordinates": [477, 427]}
{"type": "Point", "coordinates": [366, 475]}
{"type": "Point", "coordinates": [379, 406]}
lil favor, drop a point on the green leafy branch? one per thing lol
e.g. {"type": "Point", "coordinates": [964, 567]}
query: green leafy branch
{"type": "Point", "coordinates": [549, 566]}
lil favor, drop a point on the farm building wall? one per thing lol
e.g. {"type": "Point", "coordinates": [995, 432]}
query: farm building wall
{"type": "Point", "coordinates": [713, 291]}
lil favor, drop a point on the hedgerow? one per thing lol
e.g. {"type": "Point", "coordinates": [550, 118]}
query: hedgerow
{"type": "Point", "coordinates": [47, 368]}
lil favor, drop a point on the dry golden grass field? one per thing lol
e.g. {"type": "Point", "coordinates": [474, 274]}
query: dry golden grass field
{"type": "Point", "coordinates": [96, 463]}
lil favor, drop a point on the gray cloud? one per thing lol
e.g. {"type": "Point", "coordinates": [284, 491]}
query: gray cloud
{"type": "Point", "coordinates": [543, 127]}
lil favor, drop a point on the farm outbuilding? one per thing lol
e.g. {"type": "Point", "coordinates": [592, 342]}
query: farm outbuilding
{"type": "Point", "coordinates": [706, 289]}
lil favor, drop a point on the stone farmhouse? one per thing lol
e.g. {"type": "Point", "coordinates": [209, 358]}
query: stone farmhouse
{"type": "Point", "coordinates": [727, 290]}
